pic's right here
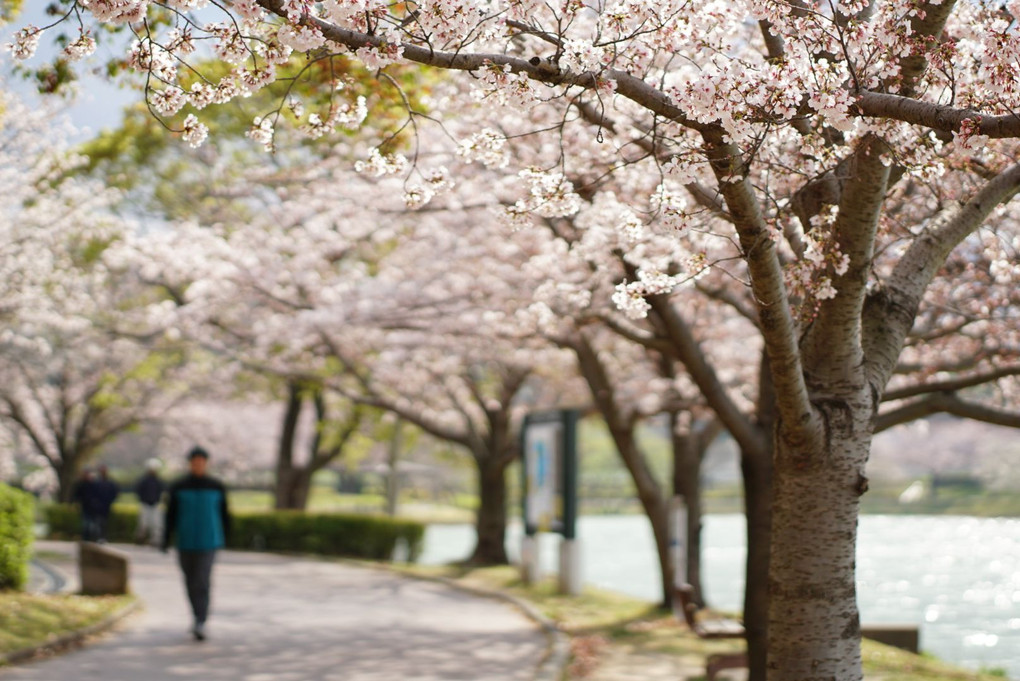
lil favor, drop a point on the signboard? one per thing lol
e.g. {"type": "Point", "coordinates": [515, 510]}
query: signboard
{"type": "Point", "coordinates": [549, 463]}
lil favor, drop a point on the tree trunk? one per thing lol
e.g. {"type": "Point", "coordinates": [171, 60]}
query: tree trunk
{"type": "Point", "coordinates": [687, 458]}
{"type": "Point", "coordinates": [756, 469]}
{"type": "Point", "coordinates": [393, 475]}
{"type": "Point", "coordinates": [292, 488]}
{"type": "Point", "coordinates": [490, 522]}
{"type": "Point", "coordinates": [814, 626]}
{"type": "Point", "coordinates": [68, 470]}
{"type": "Point", "coordinates": [658, 515]}
{"type": "Point", "coordinates": [621, 428]}
{"type": "Point", "coordinates": [757, 477]}
{"type": "Point", "coordinates": [292, 482]}
{"type": "Point", "coordinates": [652, 501]}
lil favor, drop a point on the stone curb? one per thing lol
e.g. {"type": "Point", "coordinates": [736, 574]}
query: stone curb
{"type": "Point", "coordinates": [70, 639]}
{"type": "Point", "coordinates": [552, 667]}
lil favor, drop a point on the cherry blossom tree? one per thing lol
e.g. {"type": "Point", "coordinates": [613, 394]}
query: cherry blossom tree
{"type": "Point", "coordinates": [330, 438]}
{"type": "Point", "coordinates": [849, 150]}
{"type": "Point", "coordinates": [212, 186]}
{"type": "Point", "coordinates": [239, 432]}
{"type": "Point", "coordinates": [337, 292]}
{"type": "Point", "coordinates": [84, 354]}
{"type": "Point", "coordinates": [221, 300]}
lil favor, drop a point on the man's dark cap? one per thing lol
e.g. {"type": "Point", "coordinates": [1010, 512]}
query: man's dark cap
{"type": "Point", "coordinates": [196, 452]}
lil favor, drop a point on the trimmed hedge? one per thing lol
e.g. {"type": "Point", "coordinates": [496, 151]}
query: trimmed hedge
{"type": "Point", "coordinates": [16, 525]}
{"type": "Point", "coordinates": [330, 534]}
{"type": "Point", "coordinates": [64, 522]}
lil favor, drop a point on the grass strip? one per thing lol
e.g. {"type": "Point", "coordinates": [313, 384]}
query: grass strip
{"type": "Point", "coordinates": [29, 621]}
{"type": "Point", "coordinates": [609, 628]}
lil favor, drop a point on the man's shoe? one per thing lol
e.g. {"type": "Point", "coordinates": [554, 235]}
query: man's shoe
{"type": "Point", "coordinates": [198, 631]}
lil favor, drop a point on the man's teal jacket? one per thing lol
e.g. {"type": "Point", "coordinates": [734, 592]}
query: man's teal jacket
{"type": "Point", "coordinates": [197, 513]}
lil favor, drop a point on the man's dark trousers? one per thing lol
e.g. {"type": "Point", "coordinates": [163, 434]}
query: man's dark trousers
{"type": "Point", "coordinates": [197, 567]}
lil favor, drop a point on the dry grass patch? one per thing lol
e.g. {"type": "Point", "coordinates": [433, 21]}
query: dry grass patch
{"type": "Point", "coordinates": [29, 620]}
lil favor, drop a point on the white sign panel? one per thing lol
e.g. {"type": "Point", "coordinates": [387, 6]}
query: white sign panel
{"type": "Point", "coordinates": [542, 452]}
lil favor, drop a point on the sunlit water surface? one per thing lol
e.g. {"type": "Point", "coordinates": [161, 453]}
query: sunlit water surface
{"type": "Point", "coordinates": [956, 577]}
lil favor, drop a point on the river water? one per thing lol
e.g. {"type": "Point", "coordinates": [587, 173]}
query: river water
{"type": "Point", "coordinates": [956, 577]}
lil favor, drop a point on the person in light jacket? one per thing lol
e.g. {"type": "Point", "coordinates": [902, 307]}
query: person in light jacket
{"type": "Point", "coordinates": [198, 518]}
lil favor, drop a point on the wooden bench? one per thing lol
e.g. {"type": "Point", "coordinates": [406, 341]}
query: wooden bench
{"type": "Point", "coordinates": [710, 628]}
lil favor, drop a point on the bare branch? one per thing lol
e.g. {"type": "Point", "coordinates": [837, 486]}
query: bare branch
{"type": "Point", "coordinates": [727, 297]}
{"type": "Point", "coordinates": [636, 335]}
{"type": "Point", "coordinates": [951, 385]}
{"type": "Point", "coordinates": [371, 397]}
{"type": "Point", "coordinates": [946, 403]}
{"type": "Point", "coordinates": [687, 351]}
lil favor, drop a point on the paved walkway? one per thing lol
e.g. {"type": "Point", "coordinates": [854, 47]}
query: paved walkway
{"type": "Point", "coordinates": [283, 619]}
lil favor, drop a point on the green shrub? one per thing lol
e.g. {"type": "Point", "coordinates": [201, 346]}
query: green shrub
{"type": "Point", "coordinates": [332, 534]}
{"type": "Point", "coordinates": [64, 522]}
{"type": "Point", "coordinates": [16, 519]}
{"type": "Point", "coordinates": [328, 534]}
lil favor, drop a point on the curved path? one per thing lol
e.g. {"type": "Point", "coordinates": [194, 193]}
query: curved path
{"type": "Point", "coordinates": [284, 619]}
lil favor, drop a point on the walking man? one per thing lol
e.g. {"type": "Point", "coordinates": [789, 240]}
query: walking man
{"type": "Point", "coordinates": [197, 513]}
{"type": "Point", "coordinates": [149, 490]}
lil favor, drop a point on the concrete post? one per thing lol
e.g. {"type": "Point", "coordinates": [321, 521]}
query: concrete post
{"type": "Point", "coordinates": [570, 567]}
{"type": "Point", "coordinates": [531, 569]}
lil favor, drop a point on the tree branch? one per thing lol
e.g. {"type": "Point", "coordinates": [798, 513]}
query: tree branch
{"type": "Point", "coordinates": [727, 297]}
{"type": "Point", "coordinates": [627, 85]}
{"type": "Point", "coordinates": [935, 116]}
{"type": "Point", "coordinates": [834, 340]}
{"type": "Point", "coordinates": [17, 415]}
{"type": "Point", "coordinates": [928, 22]}
{"type": "Point", "coordinates": [951, 385]}
{"type": "Point", "coordinates": [891, 310]}
{"type": "Point", "coordinates": [946, 403]}
{"type": "Point", "coordinates": [800, 422]}
{"type": "Point", "coordinates": [686, 350]}
{"type": "Point", "coordinates": [635, 335]}
{"type": "Point", "coordinates": [371, 398]}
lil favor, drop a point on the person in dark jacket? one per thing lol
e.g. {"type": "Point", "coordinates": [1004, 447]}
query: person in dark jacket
{"type": "Point", "coordinates": [149, 490]}
{"type": "Point", "coordinates": [87, 496]}
{"type": "Point", "coordinates": [106, 493]}
{"type": "Point", "coordinates": [197, 514]}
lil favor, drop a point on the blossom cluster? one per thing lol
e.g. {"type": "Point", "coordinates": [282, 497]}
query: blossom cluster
{"type": "Point", "coordinates": [341, 115]}
{"type": "Point", "coordinates": [631, 297]}
{"type": "Point", "coordinates": [550, 194]}
{"type": "Point", "coordinates": [509, 89]}
{"type": "Point", "coordinates": [486, 146]}
{"type": "Point", "coordinates": [433, 182]}
{"type": "Point", "coordinates": [81, 47]}
{"type": "Point", "coordinates": [378, 165]}
{"type": "Point", "coordinates": [26, 42]}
